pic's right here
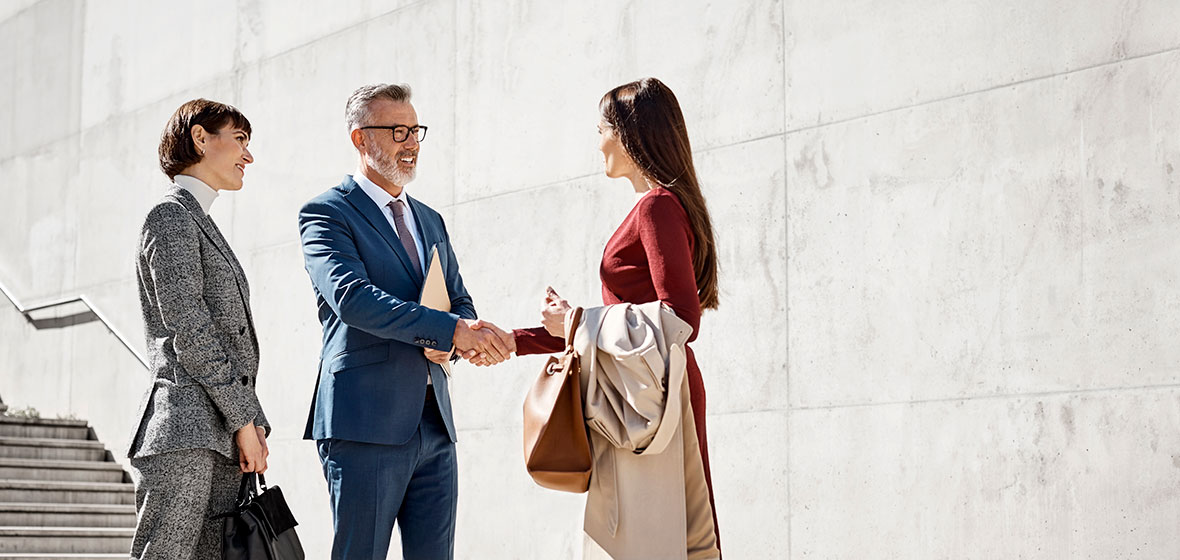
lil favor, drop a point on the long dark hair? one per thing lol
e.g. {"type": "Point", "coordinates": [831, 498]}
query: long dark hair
{"type": "Point", "coordinates": [647, 118]}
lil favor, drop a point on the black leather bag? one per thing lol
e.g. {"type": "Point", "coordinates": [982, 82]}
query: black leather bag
{"type": "Point", "coordinates": [261, 527]}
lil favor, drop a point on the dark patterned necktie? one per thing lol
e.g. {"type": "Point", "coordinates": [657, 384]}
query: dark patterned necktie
{"type": "Point", "coordinates": [403, 233]}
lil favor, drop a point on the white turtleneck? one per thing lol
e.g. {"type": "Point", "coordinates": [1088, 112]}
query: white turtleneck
{"type": "Point", "coordinates": [204, 194]}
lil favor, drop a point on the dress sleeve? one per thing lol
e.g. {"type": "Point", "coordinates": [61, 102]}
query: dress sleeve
{"type": "Point", "coordinates": [667, 241]}
{"type": "Point", "coordinates": [536, 341]}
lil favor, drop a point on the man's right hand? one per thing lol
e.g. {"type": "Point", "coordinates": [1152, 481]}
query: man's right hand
{"type": "Point", "coordinates": [475, 335]}
{"type": "Point", "coordinates": [505, 336]}
{"type": "Point", "coordinates": [251, 456]}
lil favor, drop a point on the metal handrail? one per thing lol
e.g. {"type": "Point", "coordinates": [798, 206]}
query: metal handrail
{"type": "Point", "coordinates": [28, 311]}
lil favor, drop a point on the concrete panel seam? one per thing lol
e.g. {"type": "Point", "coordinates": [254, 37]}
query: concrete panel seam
{"type": "Point", "coordinates": [232, 75]}
{"type": "Point", "coordinates": [274, 247]}
{"type": "Point", "coordinates": [340, 31]}
{"type": "Point", "coordinates": [454, 96]}
{"type": "Point", "coordinates": [786, 266]}
{"type": "Point", "coordinates": [596, 174]}
{"type": "Point", "coordinates": [456, 204]}
{"type": "Point", "coordinates": [981, 91]}
{"type": "Point", "coordinates": [23, 10]}
{"type": "Point", "coordinates": [997, 396]}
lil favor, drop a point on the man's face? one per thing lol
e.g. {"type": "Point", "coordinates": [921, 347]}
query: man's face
{"type": "Point", "coordinates": [396, 161]}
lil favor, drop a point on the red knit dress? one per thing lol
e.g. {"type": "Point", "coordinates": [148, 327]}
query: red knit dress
{"type": "Point", "coordinates": [648, 258]}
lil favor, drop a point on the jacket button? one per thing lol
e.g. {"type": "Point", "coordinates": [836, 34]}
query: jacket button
{"type": "Point", "coordinates": [242, 331]}
{"type": "Point", "coordinates": [246, 380]}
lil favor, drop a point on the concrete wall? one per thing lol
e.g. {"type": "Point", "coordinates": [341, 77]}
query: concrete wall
{"type": "Point", "coordinates": [947, 236]}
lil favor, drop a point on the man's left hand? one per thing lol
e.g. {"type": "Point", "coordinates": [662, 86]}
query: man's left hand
{"type": "Point", "coordinates": [437, 356]}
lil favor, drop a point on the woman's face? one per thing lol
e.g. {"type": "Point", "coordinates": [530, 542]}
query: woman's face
{"type": "Point", "coordinates": [226, 157]}
{"type": "Point", "coordinates": [615, 158]}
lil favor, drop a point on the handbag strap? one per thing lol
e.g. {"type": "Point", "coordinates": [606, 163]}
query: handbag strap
{"type": "Point", "coordinates": [246, 490]}
{"type": "Point", "coordinates": [596, 334]}
{"type": "Point", "coordinates": [572, 318]}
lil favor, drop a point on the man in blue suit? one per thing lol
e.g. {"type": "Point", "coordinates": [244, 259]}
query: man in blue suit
{"type": "Point", "coordinates": [381, 412]}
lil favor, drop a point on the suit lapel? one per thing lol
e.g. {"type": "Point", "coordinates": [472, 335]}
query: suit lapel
{"type": "Point", "coordinates": [367, 208]}
{"type": "Point", "coordinates": [239, 276]}
{"type": "Point", "coordinates": [209, 228]}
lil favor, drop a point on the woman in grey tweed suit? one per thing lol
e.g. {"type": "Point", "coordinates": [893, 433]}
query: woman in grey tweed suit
{"type": "Point", "coordinates": [202, 425]}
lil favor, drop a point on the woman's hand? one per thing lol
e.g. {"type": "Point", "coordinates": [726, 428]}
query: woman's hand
{"type": "Point", "coordinates": [265, 447]}
{"type": "Point", "coordinates": [553, 313]}
{"type": "Point", "coordinates": [251, 453]}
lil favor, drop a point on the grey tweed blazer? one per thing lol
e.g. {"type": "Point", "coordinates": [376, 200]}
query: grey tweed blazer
{"type": "Point", "coordinates": [202, 348]}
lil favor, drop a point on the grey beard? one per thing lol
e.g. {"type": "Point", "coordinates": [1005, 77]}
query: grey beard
{"type": "Point", "coordinates": [387, 167]}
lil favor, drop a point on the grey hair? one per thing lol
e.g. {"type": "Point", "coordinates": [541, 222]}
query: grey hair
{"type": "Point", "coordinates": [357, 110]}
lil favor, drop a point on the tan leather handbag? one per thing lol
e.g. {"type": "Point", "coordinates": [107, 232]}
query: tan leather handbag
{"type": "Point", "coordinates": [556, 448]}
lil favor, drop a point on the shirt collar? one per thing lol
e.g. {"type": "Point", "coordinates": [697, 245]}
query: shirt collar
{"type": "Point", "coordinates": [204, 194]}
{"type": "Point", "coordinates": [378, 194]}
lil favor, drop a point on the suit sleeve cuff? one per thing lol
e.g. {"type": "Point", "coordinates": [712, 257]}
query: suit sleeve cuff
{"type": "Point", "coordinates": [438, 331]}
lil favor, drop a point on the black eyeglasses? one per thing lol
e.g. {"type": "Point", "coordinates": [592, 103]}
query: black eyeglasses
{"type": "Point", "coordinates": [401, 132]}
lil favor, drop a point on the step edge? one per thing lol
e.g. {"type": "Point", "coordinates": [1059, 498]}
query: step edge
{"type": "Point", "coordinates": [67, 530]}
{"type": "Point", "coordinates": [24, 484]}
{"type": "Point", "coordinates": [51, 442]}
{"type": "Point", "coordinates": [60, 555]}
{"type": "Point", "coordinates": [60, 464]}
{"type": "Point", "coordinates": [48, 422]}
{"type": "Point", "coordinates": [58, 507]}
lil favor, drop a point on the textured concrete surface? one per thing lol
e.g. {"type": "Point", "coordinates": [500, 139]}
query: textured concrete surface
{"type": "Point", "coordinates": [947, 237]}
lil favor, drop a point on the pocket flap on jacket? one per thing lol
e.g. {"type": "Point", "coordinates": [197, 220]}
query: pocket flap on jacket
{"type": "Point", "coordinates": [359, 357]}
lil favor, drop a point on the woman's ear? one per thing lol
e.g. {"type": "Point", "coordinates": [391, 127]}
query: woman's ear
{"type": "Point", "coordinates": [200, 136]}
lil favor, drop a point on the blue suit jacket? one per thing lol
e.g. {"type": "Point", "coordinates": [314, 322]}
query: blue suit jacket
{"type": "Point", "coordinates": [372, 376]}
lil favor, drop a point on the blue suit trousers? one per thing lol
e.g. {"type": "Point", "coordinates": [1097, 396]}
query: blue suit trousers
{"type": "Point", "coordinates": [415, 484]}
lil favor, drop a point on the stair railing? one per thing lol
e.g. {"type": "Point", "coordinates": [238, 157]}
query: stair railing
{"type": "Point", "coordinates": [91, 314]}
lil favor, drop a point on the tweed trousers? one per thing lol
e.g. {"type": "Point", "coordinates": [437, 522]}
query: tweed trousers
{"type": "Point", "coordinates": [175, 495]}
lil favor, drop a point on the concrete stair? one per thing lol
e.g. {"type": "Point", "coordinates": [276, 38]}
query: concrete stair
{"type": "Point", "coordinates": [61, 493]}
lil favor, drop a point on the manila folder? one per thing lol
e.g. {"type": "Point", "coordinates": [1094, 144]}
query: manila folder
{"type": "Point", "coordinates": [434, 291]}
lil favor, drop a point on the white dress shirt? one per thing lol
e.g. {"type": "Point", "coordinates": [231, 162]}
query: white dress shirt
{"type": "Point", "coordinates": [204, 194]}
{"type": "Point", "coordinates": [383, 198]}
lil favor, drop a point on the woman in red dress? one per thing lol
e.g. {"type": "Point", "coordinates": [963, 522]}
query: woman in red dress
{"type": "Point", "coordinates": [664, 249]}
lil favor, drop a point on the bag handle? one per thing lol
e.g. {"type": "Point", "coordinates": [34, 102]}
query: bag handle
{"type": "Point", "coordinates": [246, 490]}
{"type": "Point", "coordinates": [596, 334]}
{"type": "Point", "coordinates": [572, 318]}
{"type": "Point", "coordinates": [251, 486]}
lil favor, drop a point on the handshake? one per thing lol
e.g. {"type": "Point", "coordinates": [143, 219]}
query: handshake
{"type": "Point", "coordinates": [479, 342]}
{"type": "Point", "coordinates": [485, 344]}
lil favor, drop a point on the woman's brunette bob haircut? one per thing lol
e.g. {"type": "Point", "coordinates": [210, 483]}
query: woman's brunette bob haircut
{"type": "Point", "coordinates": [177, 151]}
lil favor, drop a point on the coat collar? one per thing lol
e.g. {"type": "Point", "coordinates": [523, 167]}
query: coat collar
{"type": "Point", "coordinates": [205, 223]}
